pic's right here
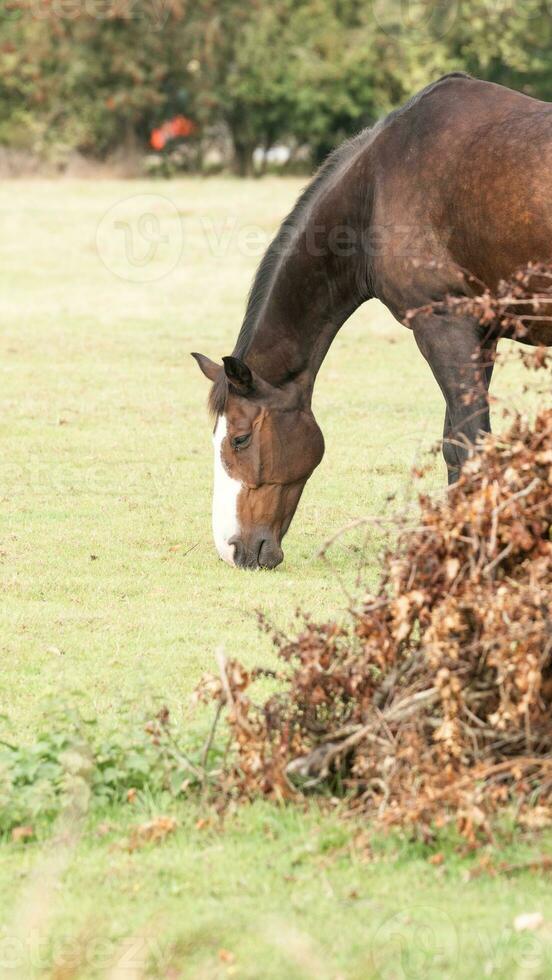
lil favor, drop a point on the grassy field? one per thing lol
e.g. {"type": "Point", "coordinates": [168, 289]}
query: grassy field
{"type": "Point", "coordinates": [113, 597]}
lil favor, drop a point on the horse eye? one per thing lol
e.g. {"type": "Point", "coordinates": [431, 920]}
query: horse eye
{"type": "Point", "coordinates": [240, 442]}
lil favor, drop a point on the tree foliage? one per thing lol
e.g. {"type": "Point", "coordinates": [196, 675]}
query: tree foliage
{"type": "Point", "coordinates": [96, 75]}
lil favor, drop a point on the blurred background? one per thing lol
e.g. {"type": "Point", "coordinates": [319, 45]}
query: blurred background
{"type": "Point", "coordinates": [145, 87]}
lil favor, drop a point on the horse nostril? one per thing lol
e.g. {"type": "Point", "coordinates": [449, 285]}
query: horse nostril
{"type": "Point", "coordinates": [238, 550]}
{"type": "Point", "coordinates": [270, 555]}
{"type": "Point", "coordinates": [264, 553]}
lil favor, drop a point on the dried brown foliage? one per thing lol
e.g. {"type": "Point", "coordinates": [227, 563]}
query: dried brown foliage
{"type": "Point", "coordinates": [518, 303]}
{"type": "Point", "coordinates": [434, 703]}
{"type": "Point", "coordinates": [436, 699]}
{"type": "Point", "coordinates": [152, 832]}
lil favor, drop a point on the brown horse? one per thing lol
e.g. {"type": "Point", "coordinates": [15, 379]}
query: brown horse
{"type": "Point", "coordinates": [458, 179]}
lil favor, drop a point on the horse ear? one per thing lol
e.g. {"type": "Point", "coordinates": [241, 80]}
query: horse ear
{"type": "Point", "coordinates": [207, 366]}
{"type": "Point", "coordinates": [239, 375]}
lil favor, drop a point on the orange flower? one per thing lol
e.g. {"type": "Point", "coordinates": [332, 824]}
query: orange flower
{"type": "Point", "coordinates": [157, 139]}
{"type": "Point", "coordinates": [179, 127]}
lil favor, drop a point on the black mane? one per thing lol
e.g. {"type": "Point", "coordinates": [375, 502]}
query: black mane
{"type": "Point", "coordinates": [264, 276]}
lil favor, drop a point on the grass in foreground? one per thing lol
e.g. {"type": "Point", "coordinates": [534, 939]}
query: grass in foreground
{"type": "Point", "coordinates": [112, 593]}
{"type": "Point", "coordinates": [274, 893]}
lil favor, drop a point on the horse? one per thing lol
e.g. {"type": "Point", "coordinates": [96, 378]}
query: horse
{"type": "Point", "coordinates": [457, 179]}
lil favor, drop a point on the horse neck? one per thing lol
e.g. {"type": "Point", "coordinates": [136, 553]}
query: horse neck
{"type": "Point", "coordinates": [319, 279]}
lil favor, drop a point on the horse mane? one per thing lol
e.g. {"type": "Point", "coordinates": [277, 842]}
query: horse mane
{"type": "Point", "coordinates": [270, 262]}
{"type": "Point", "coordinates": [277, 248]}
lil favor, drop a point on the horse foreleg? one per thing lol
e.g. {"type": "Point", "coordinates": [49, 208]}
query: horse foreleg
{"type": "Point", "coordinates": [462, 361]}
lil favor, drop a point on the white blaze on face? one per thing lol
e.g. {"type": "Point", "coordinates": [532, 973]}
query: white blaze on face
{"type": "Point", "coordinates": [225, 499]}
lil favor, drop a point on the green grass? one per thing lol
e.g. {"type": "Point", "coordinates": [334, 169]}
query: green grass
{"type": "Point", "coordinates": [112, 594]}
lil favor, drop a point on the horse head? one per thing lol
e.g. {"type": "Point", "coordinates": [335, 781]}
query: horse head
{"type": "Point", "coordinates": [266, 443]}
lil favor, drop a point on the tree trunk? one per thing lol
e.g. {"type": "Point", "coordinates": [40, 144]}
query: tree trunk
{"type": "Point", "coordinates": [243, 158]}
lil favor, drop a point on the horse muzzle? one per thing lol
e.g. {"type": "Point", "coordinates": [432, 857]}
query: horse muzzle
{"type": "Point", "coordinates": [262, 552]}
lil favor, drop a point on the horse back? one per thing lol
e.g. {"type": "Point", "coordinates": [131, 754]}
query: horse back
{"type": "Point", "coordinates": [462, 181]}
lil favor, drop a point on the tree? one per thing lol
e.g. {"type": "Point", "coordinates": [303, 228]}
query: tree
{"type": "Point", "coordinates": [281, 69]}
{"type": "Point", "coordinates": [96, 75]}
{"type": "Point", "coordinates": [70, 78]}
{"type": "Point", "coordinates": [240, 49]}
{"type": "Point", "coordinates": [506, 43]}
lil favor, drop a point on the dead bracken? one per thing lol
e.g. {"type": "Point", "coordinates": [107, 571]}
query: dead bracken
{"type": "Point", "coordinates": [433, 703]}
